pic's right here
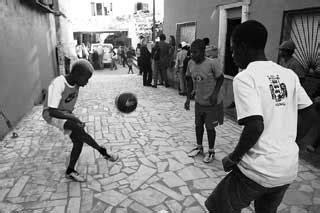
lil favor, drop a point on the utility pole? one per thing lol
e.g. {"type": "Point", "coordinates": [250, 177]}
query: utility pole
{"type": "Point", "coordinates": [154, 22]}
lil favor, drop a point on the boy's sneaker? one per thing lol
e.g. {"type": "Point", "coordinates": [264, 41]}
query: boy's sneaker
{"type": "Point", "coordinates": [108, 156]}
{"type": "Point", "coordinates": [209, 157]}
{"type": "Point", "coordinates": [75, 176]}
{"type": "Point", "coordinates": [111, 157]}
{"type": "Point", "coordinates": [196, 151]}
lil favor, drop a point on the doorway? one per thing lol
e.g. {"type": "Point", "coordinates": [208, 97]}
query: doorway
{"type": "Point", "coordinates": [229, 67]}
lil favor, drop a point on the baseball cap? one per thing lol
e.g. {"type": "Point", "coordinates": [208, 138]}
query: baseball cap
{"type": "Point", "coordinates": [183, 44]}
{"type": "Point", "coordinates": [287, 45]}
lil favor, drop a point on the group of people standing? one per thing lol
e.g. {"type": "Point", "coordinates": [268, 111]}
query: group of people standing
{"type": "Point", "coordinates": [154, 64]}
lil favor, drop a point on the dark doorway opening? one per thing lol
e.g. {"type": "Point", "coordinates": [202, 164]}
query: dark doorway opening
{"type": "Point", "coordinates": [229, 67]}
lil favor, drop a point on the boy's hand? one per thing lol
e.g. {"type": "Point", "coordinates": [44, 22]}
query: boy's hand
{"type": "Point", "coordinates": [228, 164]}
{"type": "Point", "coordinates": [214, 99]}
{"type": "Point", "coordinates": [187, 105]}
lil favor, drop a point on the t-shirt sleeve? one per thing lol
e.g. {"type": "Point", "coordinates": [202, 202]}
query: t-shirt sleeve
{"type": "Point", "coordinates": [215, 66]}
{"type": "Point", "coordinates": [188, 72]}
{"type": "Point", "coordinates": [55, 91]}
{"type": "Point", "coordinates": [303, 99]}
{"type": "Point", "coordinates": [246, 97]}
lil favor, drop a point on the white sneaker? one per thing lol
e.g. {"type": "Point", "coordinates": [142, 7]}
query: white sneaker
{"type": "Point", "coordinates": [196, 151]}
{"type": "Point", "coordinates": [209, 157]}
{"type": "Point", "coordinates": [112, 157]}
{"type": "Point", "coordinates": [75, 176]}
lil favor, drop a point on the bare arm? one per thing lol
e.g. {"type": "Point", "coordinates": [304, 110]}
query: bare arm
{"type": "Point", "coordinates": [217, 88]}
{"type": "Point", "coordinates": [61, 114]}
{"type": "Point", "coordinates": [253, 128]}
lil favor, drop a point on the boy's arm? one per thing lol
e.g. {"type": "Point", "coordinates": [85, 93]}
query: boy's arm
{"type": "Point", "coordinates": [62, 114]}
{"type": "Point", "coordinates": [218, 75]}
{"type": "Point", "coordinates": [189, 87]}
{"type": "Point", "coordinates": [55, 91]}
{"type": "Point", "coordinates": [216, 90]}
{"type": "Point", "coordinates": [253, 128]}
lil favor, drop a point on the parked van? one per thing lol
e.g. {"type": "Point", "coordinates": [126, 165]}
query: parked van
{"type": "Point", "coordinates": [107, 56]}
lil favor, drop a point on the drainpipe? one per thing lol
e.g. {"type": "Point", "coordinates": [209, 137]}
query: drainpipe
{"type": "Point", "coordinates": [9, 125]}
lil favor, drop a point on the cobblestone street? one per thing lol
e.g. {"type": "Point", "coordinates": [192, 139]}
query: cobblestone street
{"type": "Point", "coordinates": [153, 173]}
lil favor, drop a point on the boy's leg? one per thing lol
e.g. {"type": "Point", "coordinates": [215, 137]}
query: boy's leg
{"type": "Point", "coordinates": [209, 157]}
{"type": "Point", "coordinates": [269, 202]}
{"type": "Point", "coordinates": [199, 122]}
{"type": "Point", "coordinates": [233, 193]}
{"type": "Point", "coordinates": [85, 137]}
{"type": "Point", "coordinates": [76, 150]}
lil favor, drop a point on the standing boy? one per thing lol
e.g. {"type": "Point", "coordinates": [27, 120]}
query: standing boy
{"type": "Point", "coordinates": [267, 97]}
{"type": "Point", "coordinates": [207, 80]}
{"type": "Point", "coordinates": [59, 104]}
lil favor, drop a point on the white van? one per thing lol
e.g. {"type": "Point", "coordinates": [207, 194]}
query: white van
{"type": "Point", "coordinates": [107, 49]}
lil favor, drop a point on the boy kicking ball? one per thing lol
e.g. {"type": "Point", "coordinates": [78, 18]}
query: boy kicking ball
{"type": "Point", "coordinates": [57, 111]}
{"type": "Point", "coordinates": [207, 78]}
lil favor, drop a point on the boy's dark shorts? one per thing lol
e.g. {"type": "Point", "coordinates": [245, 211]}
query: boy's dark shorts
{"type": "Point", "coordinates": [236, 191]}
{"type": "Point", "coordinates": [211, 116]}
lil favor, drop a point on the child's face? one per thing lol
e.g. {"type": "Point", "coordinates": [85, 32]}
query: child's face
{"type": "Point", "coordinates": [197, 54]}
{"type": "Point", "coordinates": [82, 80]}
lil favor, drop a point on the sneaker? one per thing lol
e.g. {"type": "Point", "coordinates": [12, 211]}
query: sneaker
{"type": "Point", "coordinates": [209, 157]}
{"type": "Point", "coordinates": [75, 176]}
{"type": "Point", "coordinates": [196, 151]}
{"type": "Point", "coordinates": [111, 157]}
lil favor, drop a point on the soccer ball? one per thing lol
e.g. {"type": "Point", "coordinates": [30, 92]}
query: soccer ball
{"type": "Point", "coordinates": [126, 102]}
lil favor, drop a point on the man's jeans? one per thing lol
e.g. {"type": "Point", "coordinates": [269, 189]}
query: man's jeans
{"type": "Point", "coordinates": [236, 191]}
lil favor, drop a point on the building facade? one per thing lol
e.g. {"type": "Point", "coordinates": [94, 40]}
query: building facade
{"type": "Point", "coordinates": [284, 19]}
{"type": "Point", "coordinates": [29, 59]}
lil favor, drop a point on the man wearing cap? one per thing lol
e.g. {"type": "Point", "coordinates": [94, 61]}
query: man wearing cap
{"type": "Point", "coordinates": [181, 55]}
{"type": "Point", "coordinates": [288, 61]}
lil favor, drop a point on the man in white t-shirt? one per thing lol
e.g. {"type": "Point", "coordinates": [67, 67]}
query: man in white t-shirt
{"type": "Point", "coordinates": [267, 98]}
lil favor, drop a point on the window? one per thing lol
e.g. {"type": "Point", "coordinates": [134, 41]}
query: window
{"type": "Point", "coordinates": [93, 9]}
{"type": "Point", "coordinates": [99, 9]}
{"type": "Point", "coordinates": [302, 27]}
{"type": "Point", "coordinates": [139, 6]}
{"type": "Point", "coordinates": [186, 32]}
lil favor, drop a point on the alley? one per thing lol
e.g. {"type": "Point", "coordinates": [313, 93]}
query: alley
{"type": "Point", "coordinates": [153, 173]}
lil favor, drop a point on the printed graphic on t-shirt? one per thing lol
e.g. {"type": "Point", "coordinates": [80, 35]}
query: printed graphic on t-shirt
{"type": "Point", "coordinates": [278, 90]}
{"type": "Point", "coordinates": [198, 78]}
{"type": "Point", "coordinates": [70, 97]}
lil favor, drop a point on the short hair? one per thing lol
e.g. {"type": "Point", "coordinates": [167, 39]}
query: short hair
{"type": "Point", "coordinates": [82, 67]}
{"type": "Point", "coordinates": [252, 33]}
{"type": "Point", "coordinates": [206, 41]}
{"type": "Point", "coordinates": [162, 37]}
{"type": "Point", "coordinates": [199, 44]}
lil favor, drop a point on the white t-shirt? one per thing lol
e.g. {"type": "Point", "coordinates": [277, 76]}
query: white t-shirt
{"type": "Point", "coordinates": [274, 92]}
{"type": "Point", "coordinates": [61, 95]}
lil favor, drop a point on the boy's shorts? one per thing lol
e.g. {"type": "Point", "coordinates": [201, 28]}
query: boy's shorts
{"type": "Point", "coordinates": [58, 123]}
{"type": "Point", "coordinates": [211, 116]}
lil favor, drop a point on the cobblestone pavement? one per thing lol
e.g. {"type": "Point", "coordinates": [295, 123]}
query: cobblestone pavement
{"type": "Point", "coordinates": [153, 173]}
